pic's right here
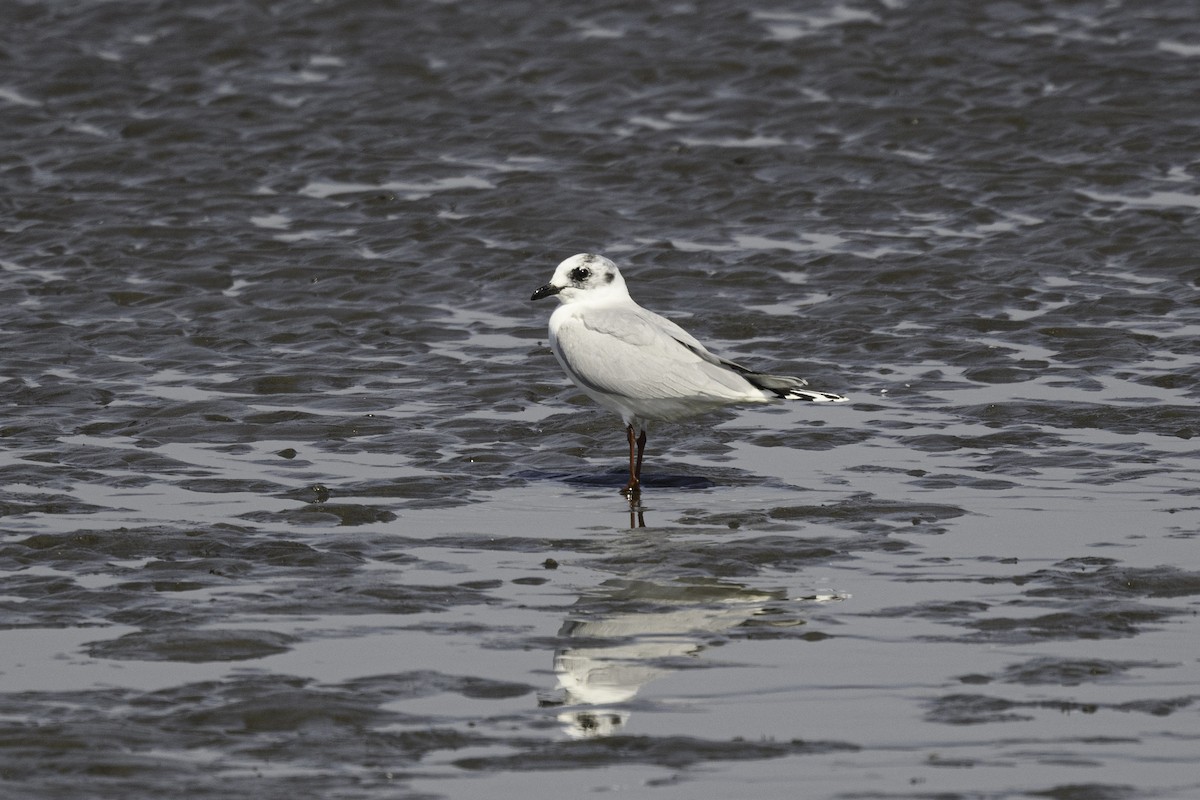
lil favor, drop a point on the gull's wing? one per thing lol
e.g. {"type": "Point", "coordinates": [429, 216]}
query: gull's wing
{"type": "Point", "coordinates": [631, 352]}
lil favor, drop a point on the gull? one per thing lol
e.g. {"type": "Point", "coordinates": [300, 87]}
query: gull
{"type": "Point", "coordinates": [643, 366]}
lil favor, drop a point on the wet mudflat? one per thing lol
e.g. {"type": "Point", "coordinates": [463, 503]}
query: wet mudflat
{"type": "Point", "coordinates": [296, 502]}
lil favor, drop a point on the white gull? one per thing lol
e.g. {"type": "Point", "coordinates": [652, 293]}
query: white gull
{"type": "Point", "coordinates": [641, 365]}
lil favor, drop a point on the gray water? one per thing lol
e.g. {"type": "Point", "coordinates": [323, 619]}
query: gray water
{"type": "Point", "coordinates": [297, 503]}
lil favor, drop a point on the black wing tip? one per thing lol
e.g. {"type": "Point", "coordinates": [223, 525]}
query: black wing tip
{"type": "Point", "coordinates": [813, 396]}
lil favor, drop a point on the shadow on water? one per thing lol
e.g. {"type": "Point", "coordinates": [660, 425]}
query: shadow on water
{"type": "Point", "coordinates": [617, 479]}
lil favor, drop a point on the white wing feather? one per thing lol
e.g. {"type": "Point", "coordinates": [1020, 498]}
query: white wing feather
{"type": "Point", "coordinates": [633, 353]}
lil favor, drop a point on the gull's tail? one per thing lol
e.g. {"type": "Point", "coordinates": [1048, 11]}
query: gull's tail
{"type": "Point", "coordinates": [788, 388]}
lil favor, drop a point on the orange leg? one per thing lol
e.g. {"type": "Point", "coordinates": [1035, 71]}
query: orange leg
{"type": "Point", "coordinates": [637, 449]}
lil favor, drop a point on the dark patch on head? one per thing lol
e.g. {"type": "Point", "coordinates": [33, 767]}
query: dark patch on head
{"type": "Point", "coordinates": [609, 277]}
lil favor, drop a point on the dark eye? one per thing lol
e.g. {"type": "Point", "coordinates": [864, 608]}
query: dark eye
{"type": "Point", "coordinates": [579, 274]}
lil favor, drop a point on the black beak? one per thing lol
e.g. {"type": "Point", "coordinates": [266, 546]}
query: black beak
{"type": "Point", "coordinates": [546, 291]}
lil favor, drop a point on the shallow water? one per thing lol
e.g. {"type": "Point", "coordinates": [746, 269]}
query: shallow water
{"type": "Point", "coordinates": [296, 501]}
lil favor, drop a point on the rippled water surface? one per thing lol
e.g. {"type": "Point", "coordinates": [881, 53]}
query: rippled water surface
{"type": "Point", "coordinates": [296, 502]}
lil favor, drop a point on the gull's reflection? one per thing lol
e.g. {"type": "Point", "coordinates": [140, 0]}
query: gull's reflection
{"type": "Point", "coordinates": [635, 631]}
{"type": "Point", "coordinates": [637, 512]}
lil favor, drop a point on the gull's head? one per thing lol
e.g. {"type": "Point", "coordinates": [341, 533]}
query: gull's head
{"type": "Point", "coordinates": [584, 277]}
